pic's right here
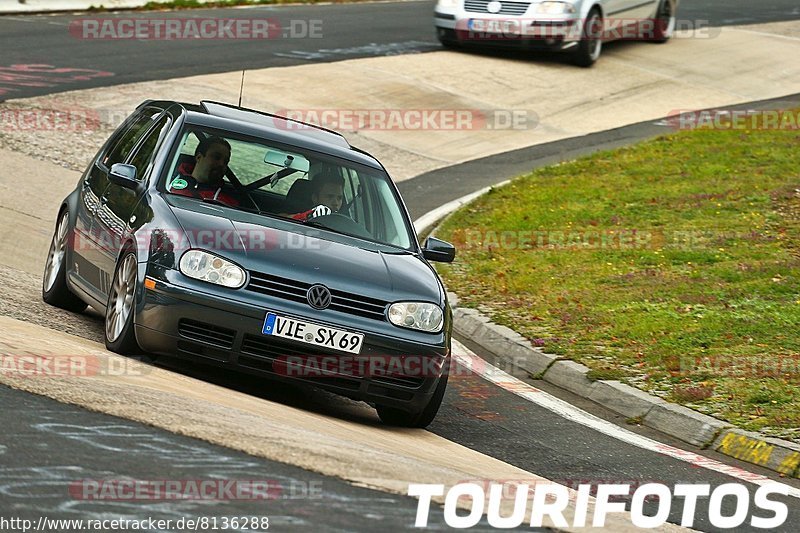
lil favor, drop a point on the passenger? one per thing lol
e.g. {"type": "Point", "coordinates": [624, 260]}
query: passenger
{"type": "Point", "coordinates": [203, 178]}
{"type": "Point", "coordinates": [327, 192]}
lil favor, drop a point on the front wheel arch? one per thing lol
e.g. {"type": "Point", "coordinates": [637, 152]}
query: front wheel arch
{"type": "Point", "coordinates": [55, 283]}
{"type": "Point", "coordinates": [124, 338]}
{"type": "Point", "coordinates": [664, 32]}
{"type": "Point", "coordinates": [423, 417]}
{"type": "Point", "coordinates": [588, 50]}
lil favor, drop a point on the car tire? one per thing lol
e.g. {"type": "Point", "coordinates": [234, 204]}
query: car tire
{"type": "Point", "coordinates": [54, 280]}
{"type": "Point", "coordinates": [447, 38]}
{"type": "Point", "coordinates": [590, 45]}
{"type": "Point", "coordinates": [119, 335]}
{"type": "Point", "coordinates": [447, 43]}
{"type": "Point", "coordinates": [665, 22]}
{"type": "Point", "coordinates": [418, 419]}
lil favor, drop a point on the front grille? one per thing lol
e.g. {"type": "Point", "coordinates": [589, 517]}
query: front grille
{"type": "Point", "coordinates": [207, 333]}
{"type": "Point", "coordinates": [412, 382]}
{"type": "Point", "coordinates": [508, 8]}
{"type": "Point", "coordinates": [345, 302]}
{"type": "Point", "coordinates": [255, 363]}
{"type": "Point", "coordinates": [271, 350]}
{"type": "Point", "coordinates": [202, 350]}
{"type": "Point", "coordinates": [266, 363]}
{"type": "Point", "coordinates": [271, 355]}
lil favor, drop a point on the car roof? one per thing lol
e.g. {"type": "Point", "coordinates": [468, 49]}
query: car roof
{"type": "Point", "coordinates": [274, 127]}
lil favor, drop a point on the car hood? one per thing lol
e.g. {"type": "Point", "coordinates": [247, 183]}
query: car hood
{"type": "Point", "coordinates": [302, 253]}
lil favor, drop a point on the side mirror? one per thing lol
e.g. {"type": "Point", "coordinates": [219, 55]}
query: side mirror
{"type": "Point", "coordinates": [438, 250]}
{"type": "Point", "coordinates": [123, 175]}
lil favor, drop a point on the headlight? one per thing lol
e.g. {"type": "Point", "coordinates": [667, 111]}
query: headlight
{"type": "Point", "coordinates": [555, 8]}
{"type": "Point", "coordinates": [204, 266]}
{"type": "Point", "coordinates": [416, 315]}
{"type": "Point", "coordinates": [449, 4]}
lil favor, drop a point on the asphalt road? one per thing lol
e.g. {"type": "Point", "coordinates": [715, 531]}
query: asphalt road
{"type": "Point", "coordinates": [53, 458]}
{"type": "Point", "coordinates": [346, 31]}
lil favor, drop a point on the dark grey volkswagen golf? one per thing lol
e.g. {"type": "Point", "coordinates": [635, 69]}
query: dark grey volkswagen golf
{"type": "Point", "coordinates": [251, 241]}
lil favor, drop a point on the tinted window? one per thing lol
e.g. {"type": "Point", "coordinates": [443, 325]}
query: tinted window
{"type": "Point", "coordinates": [143, 159]}
{"type": "Point", "coordinates": [122, 148]}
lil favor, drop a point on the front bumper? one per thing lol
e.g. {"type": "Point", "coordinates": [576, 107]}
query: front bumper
{"type": "Point", "coordinates": [483, 29]}
{"type": "Point", "coordinates": [180, 320]}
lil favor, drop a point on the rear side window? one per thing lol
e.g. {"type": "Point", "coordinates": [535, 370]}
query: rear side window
{"type": "Point", "coordinates": [122, 147]}
{"type": "Point", "coordinates": [143, 158]}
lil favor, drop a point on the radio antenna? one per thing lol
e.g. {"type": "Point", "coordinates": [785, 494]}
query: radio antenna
{"type": "Point", "coordinates": [241, 89]}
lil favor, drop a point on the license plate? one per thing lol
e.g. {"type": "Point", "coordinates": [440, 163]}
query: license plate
{"type": "Point", "coordinates": [310, 333]}
{"type": "Point", "coordinates": [503, 26]}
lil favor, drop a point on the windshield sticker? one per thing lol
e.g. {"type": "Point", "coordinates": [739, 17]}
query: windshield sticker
{"type": "Point", "coordinates": [179, 183]}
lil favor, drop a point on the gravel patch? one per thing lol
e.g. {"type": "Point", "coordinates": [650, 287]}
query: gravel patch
{"type": "Point", "coordinates": [57, 129]}
{"type": "Point", "coordinates": [21, 299]}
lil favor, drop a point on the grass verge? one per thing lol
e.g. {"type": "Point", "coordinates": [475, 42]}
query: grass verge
{"type": "Point", "coordinates": [672, 265]}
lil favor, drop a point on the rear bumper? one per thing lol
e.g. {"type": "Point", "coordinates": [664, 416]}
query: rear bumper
{"type": "Point", "coordinates": [178, 321]}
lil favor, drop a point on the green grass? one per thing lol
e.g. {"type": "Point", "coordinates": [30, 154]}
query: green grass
{"type": "Point", "coordinates": [698, 301]}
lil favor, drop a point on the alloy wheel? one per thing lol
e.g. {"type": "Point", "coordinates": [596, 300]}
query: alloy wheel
{"type": "Point", "coordinates": [594, 35]}
{"type": "Point", "coordinates": [120, 302]}
{"type": "Point", "coordinates": [55, 257]}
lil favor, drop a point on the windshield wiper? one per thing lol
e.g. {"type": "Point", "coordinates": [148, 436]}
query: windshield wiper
{"type": "Point", "coordinates": [314, 224]}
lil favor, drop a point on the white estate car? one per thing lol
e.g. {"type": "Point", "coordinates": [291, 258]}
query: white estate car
{"type": "Point", "coordinates": [576, 26]}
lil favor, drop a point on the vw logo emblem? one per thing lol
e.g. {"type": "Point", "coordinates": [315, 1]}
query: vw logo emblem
{"type": "Point", "coordinates": [318, 296]}
{"type": "Point", "coordinates": [494, 7]}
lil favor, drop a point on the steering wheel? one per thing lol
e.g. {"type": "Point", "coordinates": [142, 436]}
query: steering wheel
{"type": "Point", "coordinates": [243, 191]}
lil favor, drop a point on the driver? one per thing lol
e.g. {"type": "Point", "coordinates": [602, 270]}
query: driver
{"type": "Point", "coordinates": [203, 178]}
{"type": "Point", "coordinates": [327, 192]}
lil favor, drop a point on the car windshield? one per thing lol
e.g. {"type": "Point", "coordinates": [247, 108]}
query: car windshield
{"type": "Point", "coordinates": [272, 180]}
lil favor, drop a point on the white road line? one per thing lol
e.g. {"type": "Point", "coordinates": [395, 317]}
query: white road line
{"type": "Point", "coordinates": [505, 381]}
{"type": "Point", "coordinates": [431, 217]}
{"type": "Point", "coordinates": [18, 19]}
{"type": "Point", "coordinates": [767, 34]}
